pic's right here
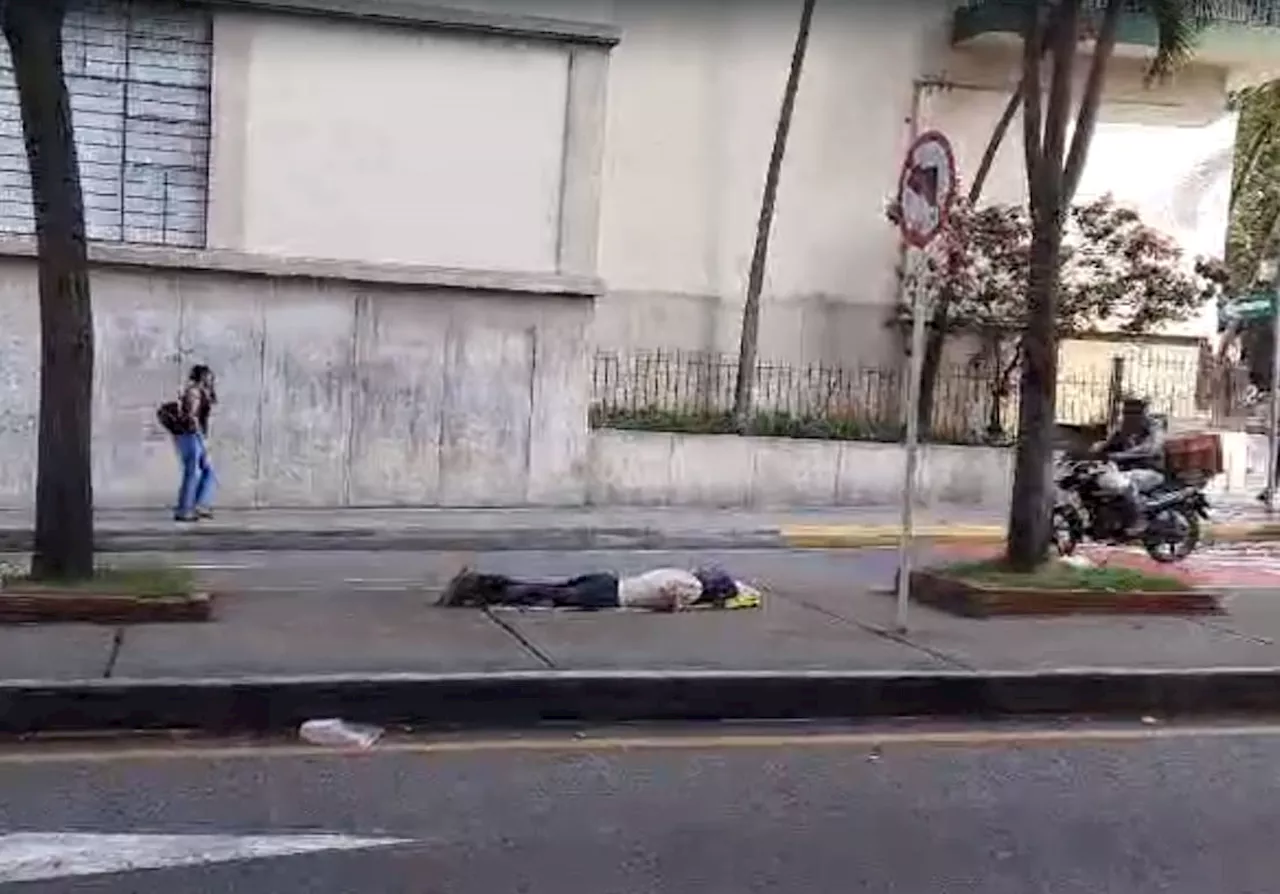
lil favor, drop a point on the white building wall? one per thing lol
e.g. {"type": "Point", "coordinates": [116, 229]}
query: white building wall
{"type": "Point", "coordinates": [392, 144]}
{"type": "Point", "coordinates": [694, 94]}
{"type": "Point", "coordinates": [376, 143]}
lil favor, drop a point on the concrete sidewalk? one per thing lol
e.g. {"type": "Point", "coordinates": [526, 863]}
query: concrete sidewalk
{"type": "Point", "coordinates": [818, 649]}
{"type": "Point", "coordinates": [273, 659]}
{"type": "Point", "coordinates": [802, 628]}
{"type": "Point", "coordinates": [568, 528]}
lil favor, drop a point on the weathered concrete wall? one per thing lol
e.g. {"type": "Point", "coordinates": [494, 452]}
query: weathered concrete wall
{"type": "Point", "coordinates": [662, 469]}
{"type": "Point", "coordinates": [339, 384]}
{"type": "Point", "coordinates": [656, 468]}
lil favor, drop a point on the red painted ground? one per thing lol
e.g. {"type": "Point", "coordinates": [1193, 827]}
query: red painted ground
{"type": "Point", "coordinates": [1238, 567]}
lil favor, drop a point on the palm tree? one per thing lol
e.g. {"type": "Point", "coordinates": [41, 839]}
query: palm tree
{"type": "Point", "coordinates": [64, 481]}
{"type": "Point", "coordinates": [1054, 165]}
{"type": "Point", "coordinates": [749, 342]}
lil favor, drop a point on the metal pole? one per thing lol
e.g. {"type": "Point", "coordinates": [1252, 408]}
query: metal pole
{"type": "Point", "coordinates": [918, 310]}
{"type": "Point", "coordinates": [1272, 441]}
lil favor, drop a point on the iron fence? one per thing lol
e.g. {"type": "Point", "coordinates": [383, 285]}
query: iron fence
{"type": "Point", "coordinates": [694, 391]}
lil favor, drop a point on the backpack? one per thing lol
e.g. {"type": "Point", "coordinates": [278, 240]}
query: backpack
{"type": "Point", "coordinates": [169, 415]}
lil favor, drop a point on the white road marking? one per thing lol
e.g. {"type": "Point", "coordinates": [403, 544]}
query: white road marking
{"type": "Point", "coordinates": [37, 856]}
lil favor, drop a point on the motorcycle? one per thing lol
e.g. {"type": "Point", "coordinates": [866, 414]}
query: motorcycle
{"type": "Point", "coordinates": [1083, 511]}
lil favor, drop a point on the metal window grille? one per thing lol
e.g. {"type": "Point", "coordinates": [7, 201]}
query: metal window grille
{"type": "Point", "coordinates": [139, 74]}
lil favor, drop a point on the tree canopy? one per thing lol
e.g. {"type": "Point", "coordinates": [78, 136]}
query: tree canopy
{"type": "Point", "coordinates": [1115, 270]}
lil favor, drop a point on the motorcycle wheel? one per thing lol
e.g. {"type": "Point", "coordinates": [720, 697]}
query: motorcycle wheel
{"type": "Point", "coordinates": [1176, 535]}
{"type": "Point", "coordinates": [1065, 532]}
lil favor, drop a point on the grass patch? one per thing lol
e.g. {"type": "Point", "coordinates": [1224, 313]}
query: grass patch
{"type": "Point", "coordinates": [155, 582]}
{"type": "Point", "coordinates": [1054, 575]}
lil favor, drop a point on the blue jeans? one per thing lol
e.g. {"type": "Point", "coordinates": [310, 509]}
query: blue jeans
{"type": "Point", "coordinates": [197, 485]}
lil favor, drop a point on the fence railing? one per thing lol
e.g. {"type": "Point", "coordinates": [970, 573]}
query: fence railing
{"type": "Point", "coordinates": [1254, 13]}
{"type": "Point", "coordinates": [693, 392]}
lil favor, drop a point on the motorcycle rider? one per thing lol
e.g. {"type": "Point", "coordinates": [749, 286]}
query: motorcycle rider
{"type": "Point", "coordinates": [1135, 453]}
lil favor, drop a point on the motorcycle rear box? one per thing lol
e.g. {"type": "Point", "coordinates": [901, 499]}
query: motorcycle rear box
{"type": "Point", "coordinates": [1194, 455]}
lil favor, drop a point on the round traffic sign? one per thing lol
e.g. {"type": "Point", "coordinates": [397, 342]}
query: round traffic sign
{"type": "Point", "coordinates": [926, 188]}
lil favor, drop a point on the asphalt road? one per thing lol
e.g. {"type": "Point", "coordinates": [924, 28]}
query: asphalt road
{"type": "Point", "coordinates": [1089, 811]}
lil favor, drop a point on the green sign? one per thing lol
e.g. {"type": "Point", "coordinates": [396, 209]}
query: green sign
{"type": "Point", "coordinates": [1246, 308]}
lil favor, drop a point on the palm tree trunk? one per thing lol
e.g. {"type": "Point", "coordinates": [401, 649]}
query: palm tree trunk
{"type": "Point", "coordinates": [1029, 532]}
{"type": "Point", "coordinates": [1090, 101]}
{"type": "Point", "coordinates": [1247, 162]}
{"type": "Point", "coordinates": [748, 346]}
{"type": "Point", "coordinates": [1044, 146]}
{"type": "Point", "coordinates": [64, 480]}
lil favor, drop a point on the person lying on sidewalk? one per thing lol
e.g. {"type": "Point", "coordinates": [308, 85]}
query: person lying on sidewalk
{"type": "Point", "coordinates": [663, 589]}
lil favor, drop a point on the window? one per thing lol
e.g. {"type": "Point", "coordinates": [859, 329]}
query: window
{"type": "Point", "coordinates": [139, 74]}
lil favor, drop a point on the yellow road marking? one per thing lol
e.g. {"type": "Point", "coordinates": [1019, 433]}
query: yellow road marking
{"type": "Point", "coordinates": [51, 754]}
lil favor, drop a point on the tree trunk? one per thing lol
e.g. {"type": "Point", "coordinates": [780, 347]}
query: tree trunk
{"type": "Point", "coordinates": [64, 480]}
{"type": "Point", "coordinates": [937, 336]}
{"type": "Point", "coordinates": [1029, 522]}
{"type": "Point", "coordinates": [749, 342]}
{"type": "Point", "coordinates": [1044, 146]}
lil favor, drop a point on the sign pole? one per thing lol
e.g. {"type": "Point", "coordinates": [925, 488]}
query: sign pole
{"type": "Point", "coordinates": [926, 189]}
{"type": "Point", "coordinates": [1273, 439]}
{"type": "Point", "coordinates": [912, 445]}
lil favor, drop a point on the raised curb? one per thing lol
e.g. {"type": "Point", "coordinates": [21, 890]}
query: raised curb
{"type": "Point", "coordinates": [557, 539]}
{"type": "Point", "coordinates": [410, 540]}
{"type": "Point", "coordinates": [521, 699]}
{"type": "Point", "coordinates": [867, 536]}
{"type": "Point", "coordinates": [78, 607]}
{"type": "Point", "coordinates": [971, 599]}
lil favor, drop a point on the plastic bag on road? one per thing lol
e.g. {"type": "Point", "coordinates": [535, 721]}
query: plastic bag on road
{"type": "Point", "coordinates": [338, 733]}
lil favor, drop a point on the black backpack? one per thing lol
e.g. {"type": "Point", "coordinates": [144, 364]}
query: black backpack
{"type": "Point", "coordinates": [169, 415]}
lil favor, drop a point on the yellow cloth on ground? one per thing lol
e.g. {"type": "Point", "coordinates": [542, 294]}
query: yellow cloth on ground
{"type": "Point", "coordinates": [747, 597]}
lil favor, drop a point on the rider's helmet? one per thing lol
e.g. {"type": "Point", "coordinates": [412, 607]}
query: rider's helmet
{"type": "Point", "coordinates": [1134, 404]}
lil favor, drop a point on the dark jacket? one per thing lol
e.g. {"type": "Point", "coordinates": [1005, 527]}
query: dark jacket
{"type": "Point", "coordinates": [197, 405]}
{"type": "Point", "coordinates": [1141, 449]}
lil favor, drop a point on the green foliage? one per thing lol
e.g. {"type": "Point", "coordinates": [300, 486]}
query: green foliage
{"type": "Point", "coordinates": [1115, 270]}
{"type": "Point", "coordinates": [1062, 576]}
{"type": "Point", "coordinates": [153, 582]}
{"type": "Point", "coordinates": [1179, 24]}
{"type": "Point", "coordinates": [764, 425]}
{"type": "Point", "coordinates": [1254, 230]}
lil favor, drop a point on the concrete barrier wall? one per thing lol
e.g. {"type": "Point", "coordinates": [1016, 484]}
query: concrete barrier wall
{"type": "Point", "coordinates": [339, 384]}
{"type": "Point", "coordinates": [663, 469]}
{"type": "Point", "coordinates": [1245, 458]}
{"type": "Point", "coordinates": [658, 468]}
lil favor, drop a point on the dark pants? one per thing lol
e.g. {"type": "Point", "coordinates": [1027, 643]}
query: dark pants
{"type": "Point", "coordinates": [588, 592]}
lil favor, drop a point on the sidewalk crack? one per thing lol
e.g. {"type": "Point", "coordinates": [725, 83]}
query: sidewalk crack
{"type": "Point", "coordinates": [885, 633]}
{"type": "Point", "coordinates": [117, 643]}
{"type": "Point", "coordinates": [528, 644]}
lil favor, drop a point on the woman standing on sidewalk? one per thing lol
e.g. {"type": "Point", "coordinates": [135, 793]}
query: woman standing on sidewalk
{"type": "Point", "coordinates": [195, 493]}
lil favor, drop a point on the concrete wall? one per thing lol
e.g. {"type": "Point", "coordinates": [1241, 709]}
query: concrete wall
{"type": "Point", "coordinates": [666, 469]}
{"type": "Point", "coordinates": [659, 469]}
{"type": "Point", "coordinates": [339, 384]}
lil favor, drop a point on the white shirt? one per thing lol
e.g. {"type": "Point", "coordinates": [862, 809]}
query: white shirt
{"type": "Point", "coordinates": [663, 589]}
